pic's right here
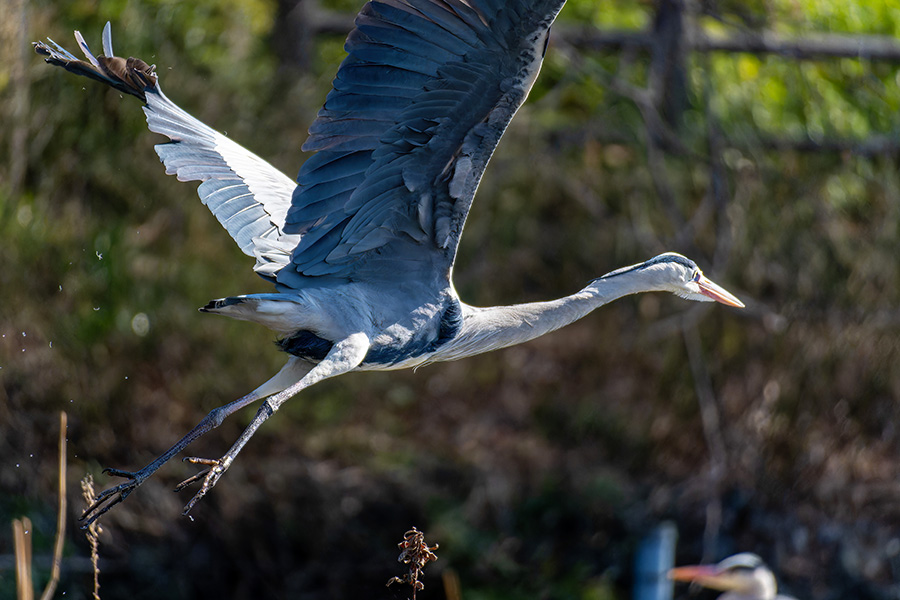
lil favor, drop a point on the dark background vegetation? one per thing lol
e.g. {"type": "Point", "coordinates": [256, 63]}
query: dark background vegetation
{"type": "Point", "coordinates": [538, 468]}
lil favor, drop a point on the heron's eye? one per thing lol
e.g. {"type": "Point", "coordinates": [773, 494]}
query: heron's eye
{"type": "Point", "coordinates": [697, 275]}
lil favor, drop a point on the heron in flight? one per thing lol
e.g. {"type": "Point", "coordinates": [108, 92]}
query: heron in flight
{"type": "Point", "coordinates": [742, 577]}
{"type": "Point", "coordinates": [360, 248]}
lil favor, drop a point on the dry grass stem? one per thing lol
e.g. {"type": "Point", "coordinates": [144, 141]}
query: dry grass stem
{"type": "Point", "coordinates": [60, 514]}
{"type": "Point", "coordinates": [415, 553]}
{"type": "Point", "coordinates": [22, 543]}
{"type": "Point", "coordinates": [452, 587]}
{"type": "Point", "coordinates": [93, 532]}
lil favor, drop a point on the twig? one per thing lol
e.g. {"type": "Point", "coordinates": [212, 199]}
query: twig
{"type": "Point", "coordinates": [812, 46]}
{"type": "Point", "coordinates": [92, 532]}
{"type": "Point", "coordinates": [712, 431]}
{"type": "Point", "coordinates": [804, 47]}
{"type": "Point", "coordinates": [61, 513]}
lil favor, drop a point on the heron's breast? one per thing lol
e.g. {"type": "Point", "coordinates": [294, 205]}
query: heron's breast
{"type": "Point", "coordinates": [412, 348]}
{"type": "Point", "coordinates": [399, 346]}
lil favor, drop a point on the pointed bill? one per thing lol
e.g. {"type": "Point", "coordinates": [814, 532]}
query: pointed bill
{"type": "Point", "coordinates": [708, 576]}
{"type": "Point", "coordinates": [691, 573]}
{"type": "Point", "coordinates": [718, 293]}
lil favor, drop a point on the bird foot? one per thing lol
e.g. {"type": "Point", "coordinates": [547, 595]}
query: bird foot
{"type": "Point", "coordinates": [210, 477]}
{"type": "Point", "coordinates": [110, 497]}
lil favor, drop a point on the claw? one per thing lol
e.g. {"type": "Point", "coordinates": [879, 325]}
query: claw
{"type": "Point", "coordinates": [111, 496]}
{"type": "Point", "coordinates": [190, 480]}
{"type": "Point", "coordinates": [209, 476]}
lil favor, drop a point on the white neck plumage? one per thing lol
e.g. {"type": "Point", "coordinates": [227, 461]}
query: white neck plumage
{"type": "Point", "coordinates": [486, 329]}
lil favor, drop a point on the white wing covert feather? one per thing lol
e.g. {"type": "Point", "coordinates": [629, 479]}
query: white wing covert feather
{"type": "Point", "coordinates": [248, 196]}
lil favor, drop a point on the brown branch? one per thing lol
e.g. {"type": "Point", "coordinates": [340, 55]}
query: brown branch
{"type": "Point", "coordinates": [875, 145]}
{"type": "Point", "coordinates": [820, 45]}
{"type": "Point", "coordinates": [806, 47]}
{"type": "Point", "coordinates": [331, 22]}
{"type": "Point", "coordinates": [712, 431]}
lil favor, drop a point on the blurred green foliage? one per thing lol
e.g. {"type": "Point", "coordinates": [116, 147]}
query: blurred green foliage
{"type": "Point", "coordinates": [535, 468]}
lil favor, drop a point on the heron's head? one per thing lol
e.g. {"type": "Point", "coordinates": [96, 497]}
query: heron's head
{"type": "Point", "coordinates": [744, 574]}
{"type": "Point", "coordinates": [671, 272]}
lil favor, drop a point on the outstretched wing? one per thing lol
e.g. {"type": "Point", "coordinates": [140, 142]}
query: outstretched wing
{"type": "Point", "coordinates": [401, 143]}
{"type": "Point", "coordinates": [248, 196]}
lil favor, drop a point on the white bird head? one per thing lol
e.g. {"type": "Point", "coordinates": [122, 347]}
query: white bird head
{"type": "Point", "coordinates": [672, 272]}
{"type": "Point", "coordinates": [743, 576]}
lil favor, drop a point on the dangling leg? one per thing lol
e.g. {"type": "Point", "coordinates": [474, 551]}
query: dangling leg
{"type": "Point", "coordinates": [294, 370]}
{"type": "Point", "coordinates": [344, 356]}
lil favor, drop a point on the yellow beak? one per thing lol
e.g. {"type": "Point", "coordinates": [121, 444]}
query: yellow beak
{"type": "Point", "coordinates": [707, 575]}
{"type": "Point", "coordinates": [717, 292]}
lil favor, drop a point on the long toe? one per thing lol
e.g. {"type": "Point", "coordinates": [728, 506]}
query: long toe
{"type": "Point", "coordinates": [121, 473]}
{"type": "Point", "coordinates": [107, 499]}
{"type": "Point", "coordinates": [210, 477]}
{"type": "Point", "coordinates": [198, 496]}
{"type": "Point", "coordinates": [191, 480]}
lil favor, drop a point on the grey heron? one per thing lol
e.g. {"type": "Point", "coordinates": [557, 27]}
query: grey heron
{"type": "Point", "coordinates": [742, 576]}
{"type": "Point", "coordinates": [361, 247]}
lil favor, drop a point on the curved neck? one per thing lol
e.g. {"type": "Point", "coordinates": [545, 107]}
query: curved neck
{"type": "Point", "coordinates": [486, 329]}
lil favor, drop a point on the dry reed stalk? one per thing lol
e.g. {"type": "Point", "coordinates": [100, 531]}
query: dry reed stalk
{"type": "Point", "coordinates": [22, 543]}
{"type": "Point", "coordinates": [61, 512]}
{"type": "Point", "coordinates": [452, 587]}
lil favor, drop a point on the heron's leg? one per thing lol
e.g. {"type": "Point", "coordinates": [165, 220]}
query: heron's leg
{"type": "Point", "coordinates": [344, 356]}
{"type": "Point", "coordinates": [108, 498]}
